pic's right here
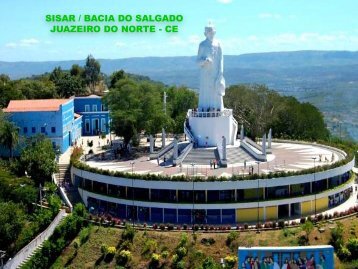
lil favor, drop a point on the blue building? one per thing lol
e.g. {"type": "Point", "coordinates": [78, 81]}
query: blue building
{"type": "Point", "coordinates": [95, 116]}
{"type": "Point", "coordinates": [54, 118]}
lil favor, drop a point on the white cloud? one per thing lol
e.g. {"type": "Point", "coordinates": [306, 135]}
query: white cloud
{"type": "Point", "coordinates": [225, 1]}
{"type": "Point", "coordinates": [28, 42]}
{"type": "Point", "coordinates": [264, 16]}
{"type": "Point", "coordinates": [11, 45]}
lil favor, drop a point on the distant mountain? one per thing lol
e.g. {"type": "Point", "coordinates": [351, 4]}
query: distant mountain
{"type": "Point", "coordinates": [328, 79]}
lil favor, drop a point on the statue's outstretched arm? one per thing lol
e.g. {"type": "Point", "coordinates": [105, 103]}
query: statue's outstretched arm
{"type": "Point", "coordinates": [201, 58]}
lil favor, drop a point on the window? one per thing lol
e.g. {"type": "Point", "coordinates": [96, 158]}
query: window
{"type": "Point", "coordinates": [53, 129]}
{"type": "Point", "coordinates": [103, 125]}
{"type": "Point", "coordinates": [25, 130]}
{"type": "Point", "coordinates": [43, 130]}
{"type": "Point", "coordinates": [94, 108]}
{"type": "Point", "coordinates": [33, 130]}
{"type": "Point", "coordinates": [87, 126]}
{"type": "Point", "coordinates": [102, 108]}
{"type": "Point", "coordinates": [54, 145]}
{"type": "Point", "coordinates": [87, 108]}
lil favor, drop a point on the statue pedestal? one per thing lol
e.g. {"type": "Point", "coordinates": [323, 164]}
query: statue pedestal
{"type": "Point", "coordinates": [208, 128]}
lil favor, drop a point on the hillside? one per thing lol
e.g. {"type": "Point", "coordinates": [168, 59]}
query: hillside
{"type": "Point", "coordinates": [203, 244]}
{"type": "Point", "coordinates": [328, 79]}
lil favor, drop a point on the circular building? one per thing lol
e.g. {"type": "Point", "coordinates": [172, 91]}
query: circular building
{"type": "Point", "coordinates": [297, 179]}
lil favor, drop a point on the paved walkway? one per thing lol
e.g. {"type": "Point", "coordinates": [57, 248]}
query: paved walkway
{"type": "Point", "coordinates": [285, 157]}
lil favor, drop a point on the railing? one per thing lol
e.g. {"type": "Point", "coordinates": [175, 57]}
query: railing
{"type": "Point", "coordinates": [253, 143]}
{"type": "Point", "coordinates": [183, 154]}
{"type": "Point", "coordinates": [253, 149]}
{"type": "Point", "coordinates": [62, 193]}
{"type": "Point", "coordinates": [209, 114]}
{"type": "Point", "coordinates": [236, 128]}
{"type": "Point", "coordinates": [161, 152]}
{"type": "Point", "coordinates": [189, 134]}
{"type": "Point", "coordinates": [30, 248]}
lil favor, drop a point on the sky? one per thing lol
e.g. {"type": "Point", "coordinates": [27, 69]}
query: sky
{"type": "Point", "coordinates": [243, 26]}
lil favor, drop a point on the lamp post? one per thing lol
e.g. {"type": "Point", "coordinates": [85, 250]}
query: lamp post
{"type": "Point", "coordinates": [258, 198]}
{"type": "Point", "coordinates": [315, 192]}
{"type": "Point", "coordinates": [193, 214]}
{"type": "Point", "coordinates": [258, 167]}
{"type": "Point", "coordinates": [258, 207]}
{"type": "Point", "coordinates": [132, 163]}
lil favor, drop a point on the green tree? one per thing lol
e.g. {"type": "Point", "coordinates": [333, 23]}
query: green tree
{"type": "Point", "coordinates": [56, 74]}
{"type": "Point", "coordinates": [38, 159]}
{"type": "Point", "coordinates": [12, 218]}
{"type": "Point", "coordinates": [76, 70]}
{"type": "Point", "coordinates": [92, 70]}
{"type": "Point", "coordinates": [68, 86]}
{"type": "Point", "coordinates": [115, 77]}
{"type": "Point", "coordinates": [260, 109]}
{"type": "Point", "coordinates": [35, 89]}
{"type": "Point", "coordinates": [9, 136]}
{"type": "Point", "coordinates": [307, 227]}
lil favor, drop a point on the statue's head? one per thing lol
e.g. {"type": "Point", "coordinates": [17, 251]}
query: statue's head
{"type": "Point", "coordinates": [210, 31]}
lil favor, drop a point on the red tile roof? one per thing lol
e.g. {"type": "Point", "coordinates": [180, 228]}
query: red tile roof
{"type": "Point", "coordinates": [35, 105]}
{"type": "Point", "coordinates": [77, 116]}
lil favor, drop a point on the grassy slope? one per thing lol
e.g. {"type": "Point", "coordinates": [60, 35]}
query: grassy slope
{"type": "Point", "coordinates": [89, 254]}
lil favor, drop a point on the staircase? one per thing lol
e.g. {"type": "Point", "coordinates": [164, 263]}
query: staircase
{"type": "Point", "coordinates": [237, 155]}
{"type": "Point", "coordinates": [201, 156]}
{"type": "Point", "coordinates": [64, 174]}
{"type": "Point", "coordinates": [30, 249]}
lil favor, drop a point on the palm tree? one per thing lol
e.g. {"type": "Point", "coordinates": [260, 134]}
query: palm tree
{"type": "Point", "coordinates": [9, 136]}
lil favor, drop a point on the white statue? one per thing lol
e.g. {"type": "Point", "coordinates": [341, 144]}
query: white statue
{"type": "Point", "coordinates": [212, 82]}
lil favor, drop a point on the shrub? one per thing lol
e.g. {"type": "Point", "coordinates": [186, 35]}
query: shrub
{"type": "Point", "coordinates": [302, 220]}
{"type": "Point", "coordinates": [110, 251]}
{"type": "Point", "coordinates": [175, 259]}
{"type": "Point", "coordinates": [150, 246]}
{"type": "Point", "coordinates": [183, 240]}
{"type": "Point", "coordinates": [154, 260]}
{"type": "Point", "coordinates": [281, 223]}
{"type": "Point", "coordinates": [196, 227]}
{"type": "Point", "coordinates": [155, 226]}
{"type": "Point", "coordinates": [181, 252]}
{"type": "Point", "coordinates": [352, 246]}
{"type": "Point", "coordinates": [185, 227]}
{"type": "Point", "coordinates": [128, 233]}
{"type": "Point", "coordinates": [230, 261]}
{"type": "Point", "coordinates": [246, 226]}
{"type": "Point", "coordinates": [165, 254]}
{"type": "Point", "coordinates": [343, 253]}
{"type": "Point", "coordinates": [123, 257]}
{"type": "Point", "coordinates": [319, 217]}
{"type": "Point", "coordinates": [231, 237]}
{"type": "Point", "coordinates": [337, 236]}
{"type": "Point", "coordinates": [84, 235]}
{"type": "Point", "coordinates": [170, 227]}
{"type": "Point", "coordinates": [162, 227]}
{"type": "Point", "coordinates": [274, 224]}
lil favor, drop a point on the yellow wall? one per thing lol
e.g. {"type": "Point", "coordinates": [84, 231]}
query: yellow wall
{"type": "Point", "coordinates": [252, 193]}
{"type": "Point", "coordinates": [321, 204]}
{"type": "Point", "coordinates": [248, 214]}
{"type": "Point", "coordinates": [306, 208]}
{"type": "Point", "coordinates": [271, 213]}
